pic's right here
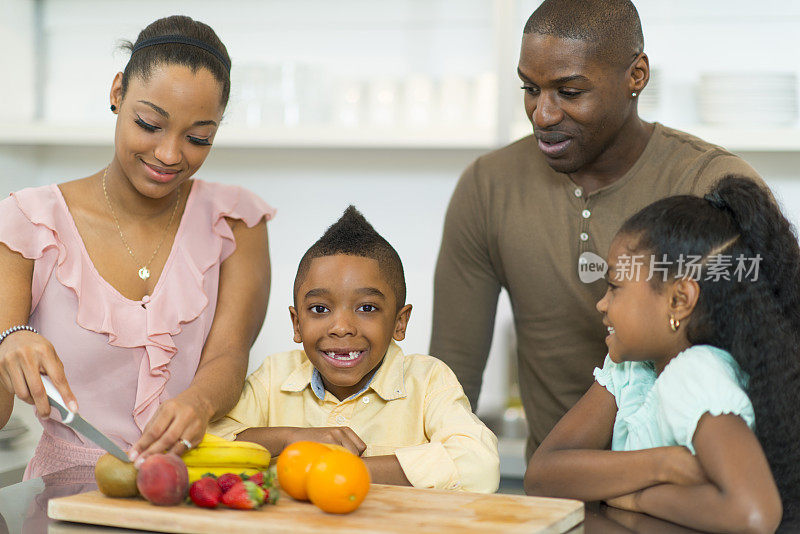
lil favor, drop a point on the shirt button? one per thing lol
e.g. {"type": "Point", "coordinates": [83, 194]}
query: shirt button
{"type": "Point", "coordinates": [578, 192]}
{"type": "Point", "coordinates": [365, 400]}
{"type": "Point", "coordinates": [586, 214]}
{"type": "Point", "coordinates": [340, 420]}
{"type": "Point", "coordinates": [584, 236]}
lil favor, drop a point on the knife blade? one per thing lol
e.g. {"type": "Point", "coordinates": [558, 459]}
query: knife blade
{"type": "Point", "coordinates": [79, 424]}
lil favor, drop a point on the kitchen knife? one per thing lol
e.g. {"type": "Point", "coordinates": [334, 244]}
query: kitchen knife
{"type": "Point", "coordinates": [79, 424]}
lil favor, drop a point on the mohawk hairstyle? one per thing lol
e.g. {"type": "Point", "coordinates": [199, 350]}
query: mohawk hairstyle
{"type": "Point", "coordinates": [353, 235]}
{"type": "Point", "coordinates": [613, 25]}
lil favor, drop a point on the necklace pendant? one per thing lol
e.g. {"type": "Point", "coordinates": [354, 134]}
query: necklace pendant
{"type": "Point", "coordinates": [144, 273]}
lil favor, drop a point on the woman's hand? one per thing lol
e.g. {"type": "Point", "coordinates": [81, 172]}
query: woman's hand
{"type": "Point", "coordinates": [183, 418]}
{"type": "Point", "coordinates": [24, 357]}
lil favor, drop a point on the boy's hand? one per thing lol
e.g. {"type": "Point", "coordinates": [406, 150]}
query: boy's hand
{"type": "Point", "coordinates": [337, 435]}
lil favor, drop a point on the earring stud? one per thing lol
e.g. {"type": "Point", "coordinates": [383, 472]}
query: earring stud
{"type": "Point", "coordinates": [674, 323]}
{"type": "Point", "coordinates": [633, 94]}
{"type": "Point", "coordinates": [113, 107]}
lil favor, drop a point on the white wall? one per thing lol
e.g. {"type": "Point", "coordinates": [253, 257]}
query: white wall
{"type": "Point", "coordinates": [404, 193]}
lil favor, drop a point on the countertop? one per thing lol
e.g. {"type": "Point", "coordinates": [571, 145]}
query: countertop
{"type": "Point", "coordinates": [23, 509]}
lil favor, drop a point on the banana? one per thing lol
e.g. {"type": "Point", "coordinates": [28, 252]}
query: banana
{"type": "Point", "coordinates": [196, 473]}
{"type": "Point", "coordinates": [211, 438]}
{"type": "Point", "coordinates": [227, 456]}
{"type": "Point", "coordinates": [218, 456]}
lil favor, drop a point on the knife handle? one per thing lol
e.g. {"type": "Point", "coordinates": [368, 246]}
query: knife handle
{"type": "Point", "coordinates": [54, 395]}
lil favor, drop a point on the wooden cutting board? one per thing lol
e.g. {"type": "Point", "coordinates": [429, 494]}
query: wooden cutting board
{"type": "Point", "coordinates": [386, 509]}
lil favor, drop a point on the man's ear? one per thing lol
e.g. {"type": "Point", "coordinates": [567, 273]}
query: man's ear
{"type": "Point", "coordinates": [401, 323]}
{"type": "Point", "coordinates": [639, 74]}
{"type": "Point", "coordinates": [295, 325]}
{"type": "Point", "coordinates": [683, 297]}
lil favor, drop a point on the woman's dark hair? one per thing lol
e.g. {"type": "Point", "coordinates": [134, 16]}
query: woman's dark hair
{"type": "Point", "coordinates": [757, 317]}
{"type": "Point", "coordinates": [145, 59]}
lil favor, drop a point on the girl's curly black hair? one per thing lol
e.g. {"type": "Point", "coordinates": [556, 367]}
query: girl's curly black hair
{"type": "Point", "coordinates": [754, 317]}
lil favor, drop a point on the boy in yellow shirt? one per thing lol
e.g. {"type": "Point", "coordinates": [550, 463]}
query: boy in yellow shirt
{"type": "Point", "coordinates": [405, 414]}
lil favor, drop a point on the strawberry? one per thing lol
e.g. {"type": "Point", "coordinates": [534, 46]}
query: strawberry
{"type": "Point", "coordinates": [205, 493]}
{"type": "Point", "coordinates": [227, 481]}
{"type": "Point", "coordinates": [257, 479]}
{"type": "Point", "coordinates": [244, 496]}
{"type": "Point", "coordinates": [266, 479]}
{"type": "Point", "coordinates": [271, 495]}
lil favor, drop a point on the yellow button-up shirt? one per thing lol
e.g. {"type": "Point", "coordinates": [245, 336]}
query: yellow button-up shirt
{"type": "Point", "coordinates": [414, 408]}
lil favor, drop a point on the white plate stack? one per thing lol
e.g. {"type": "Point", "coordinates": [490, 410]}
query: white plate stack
{"type": "Point", "coordinates": [752, 99]}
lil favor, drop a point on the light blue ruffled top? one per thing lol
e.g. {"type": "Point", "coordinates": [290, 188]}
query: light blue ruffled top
{"type": "Point", "coordinates": [660, 410]}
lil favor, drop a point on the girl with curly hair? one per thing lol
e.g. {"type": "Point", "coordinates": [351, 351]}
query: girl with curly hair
{"type": "Point", "coordinates": [694, 416]}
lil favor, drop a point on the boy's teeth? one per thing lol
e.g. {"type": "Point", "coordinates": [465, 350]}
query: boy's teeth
{"type": "Point", "coordinates": [610, 329]}
{"type": "Point", "coordinates": [352, 355]}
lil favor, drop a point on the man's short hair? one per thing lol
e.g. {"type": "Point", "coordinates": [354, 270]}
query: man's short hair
{"type": "Point", "coordinates": [354, 236]}
{"type": "Point", "coordinates": [613, 25]}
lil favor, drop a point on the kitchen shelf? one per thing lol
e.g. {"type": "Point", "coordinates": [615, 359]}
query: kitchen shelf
{"type": "Point", "coordinates": [456, 137]}
{"type": "Point", "coordinates": [777, 139]}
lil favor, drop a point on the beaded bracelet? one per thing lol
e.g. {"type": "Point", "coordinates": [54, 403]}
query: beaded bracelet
{"type": "Point", "coordinates": [17, 329]}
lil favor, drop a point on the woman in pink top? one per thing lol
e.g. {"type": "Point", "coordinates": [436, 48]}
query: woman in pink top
{"type": "Point", "coordinates": [138, 290]}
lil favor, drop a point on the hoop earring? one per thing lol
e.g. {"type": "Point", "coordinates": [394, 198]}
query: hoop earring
{"type": "Point", "coordinates": [113, 107]}
{"type": "Point", "coordinates": [674, 323]}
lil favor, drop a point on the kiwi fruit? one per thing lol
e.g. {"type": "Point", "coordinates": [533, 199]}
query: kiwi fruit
{"type": "Point", "coordinates": [115, 478]}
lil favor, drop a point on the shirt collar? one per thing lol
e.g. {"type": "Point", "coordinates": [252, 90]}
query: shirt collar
{"type": "Point", "coordinates": [388, 381]}
{"type": "Point", "coordinates": [300, 378]}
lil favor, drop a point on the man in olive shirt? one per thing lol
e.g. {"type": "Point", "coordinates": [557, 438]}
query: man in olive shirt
{"type": "Point", "coordinates": [521, 216]}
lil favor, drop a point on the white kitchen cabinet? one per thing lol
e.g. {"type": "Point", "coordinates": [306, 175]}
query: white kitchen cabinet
{"type": "Point", "coordinates": [412, 74]}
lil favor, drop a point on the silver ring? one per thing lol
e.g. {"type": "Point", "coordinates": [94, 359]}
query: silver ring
{"type": "Point", "coordinates": [186, 443]}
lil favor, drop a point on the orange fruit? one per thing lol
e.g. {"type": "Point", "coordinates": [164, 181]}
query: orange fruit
{"type": "Point", "coordinates": [293, 465]}
{"type": "Point", "coordinates": [333, 446]}
{"type": "Point", "coordinates": [338, 482]}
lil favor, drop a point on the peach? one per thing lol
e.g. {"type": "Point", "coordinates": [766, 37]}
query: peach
{"type": "Point", "coordinates": [163, 479]}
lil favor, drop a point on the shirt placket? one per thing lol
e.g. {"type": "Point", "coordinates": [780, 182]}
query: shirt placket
{"type": "Point", "coordinates": [342, 413]}
{"type": "Point", "coordinates": [585, 214]}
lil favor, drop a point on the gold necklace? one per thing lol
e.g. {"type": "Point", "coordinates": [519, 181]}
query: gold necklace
{"type": "Point", "coordinates": [144, 271]}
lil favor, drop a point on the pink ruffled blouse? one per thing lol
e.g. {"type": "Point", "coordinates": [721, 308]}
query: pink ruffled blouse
{"type": "Point", "coordinates": [122, 358]}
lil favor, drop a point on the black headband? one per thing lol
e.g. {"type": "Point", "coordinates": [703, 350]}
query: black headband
{"type": "Point", "coordinates": [182, 39]}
